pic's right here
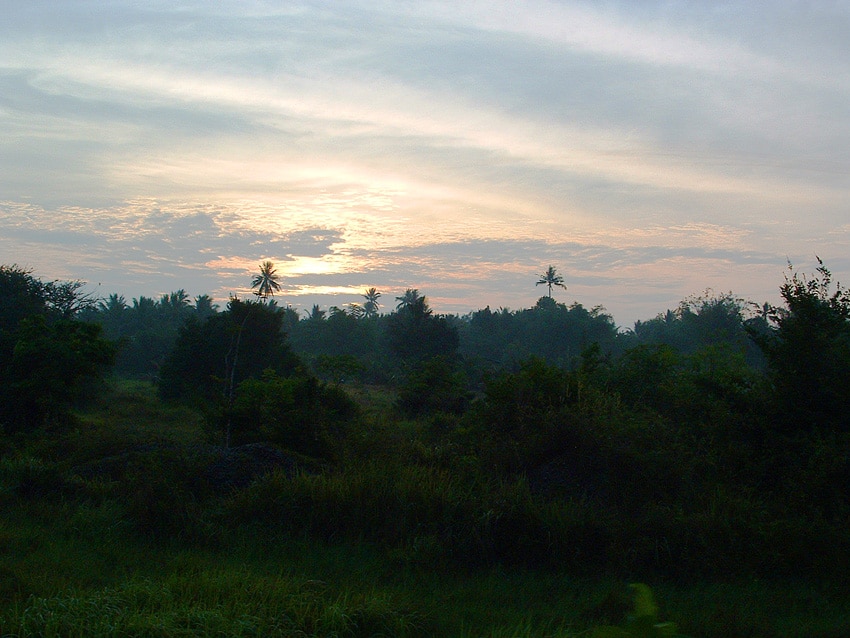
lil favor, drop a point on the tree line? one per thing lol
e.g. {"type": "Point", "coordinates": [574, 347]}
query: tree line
{"type": "Point", "coordinates": [719, 425]}
{"type": "Point", "coordinates": [800, 350]}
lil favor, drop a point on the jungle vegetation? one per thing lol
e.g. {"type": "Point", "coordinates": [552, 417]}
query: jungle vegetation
{"type": "Point", "coordinates": [170, 467]}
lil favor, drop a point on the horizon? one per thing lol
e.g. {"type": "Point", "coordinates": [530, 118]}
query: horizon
{"type": "Point", "coordinates": [387, 303]}
{"type": "Point", "coordinates": [648, 151]}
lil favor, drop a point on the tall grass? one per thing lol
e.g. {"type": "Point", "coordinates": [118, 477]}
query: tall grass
{"type": "Point", "coordinates": [112, 529]}
{"type": "Point", "coordinates": [210, 603]}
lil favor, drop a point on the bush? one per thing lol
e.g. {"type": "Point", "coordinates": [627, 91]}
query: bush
{"type": "Point", "coordinates": [297, 413]}
{"type": "Point", "coordinates": [434, 386]}
{"type": "Point", "coordinates": [28, 477]}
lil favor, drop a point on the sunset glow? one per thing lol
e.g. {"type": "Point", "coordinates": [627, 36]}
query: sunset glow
{"type": "Point", "coordinates": [648, 151]}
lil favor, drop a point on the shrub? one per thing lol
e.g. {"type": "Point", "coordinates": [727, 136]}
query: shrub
{"type": "Point", "coordinates": [298, 413]}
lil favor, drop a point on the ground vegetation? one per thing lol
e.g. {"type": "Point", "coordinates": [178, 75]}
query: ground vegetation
{"type": "Point", "coordinates": [406, 474]}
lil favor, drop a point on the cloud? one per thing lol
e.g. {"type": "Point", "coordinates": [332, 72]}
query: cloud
{"type": "Point", "coordinates": [459, 148]}
{"type": "Point", "coordinates": [330, 101]}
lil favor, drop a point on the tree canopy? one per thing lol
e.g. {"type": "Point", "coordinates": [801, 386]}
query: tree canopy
{"type": "Point", "coordinates": [48, 359]}
{"type": "Point", "coordinates": [265, 283]}
{"type": "Point", "coordinates": [809, 352]}
{"type": "Point", "coordinates": [551, 278]}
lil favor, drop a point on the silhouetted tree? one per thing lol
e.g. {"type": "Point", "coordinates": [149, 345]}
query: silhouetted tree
{"type": "Point", "coordinates": [410, 297]}
{"type": "Point", "coordinates": [211, 358]}
{"type": "Point", "coordinates": [551, 278]}
{"type": "Point", "coordinates": [316, 313]}
{"type": "Point", "coordinates": [47, 360]}
{"type": "Point", "coordinates": [204, 307]}
{"type": "Point", "coordinates": [371, 307]}
{"type": "Point", "coordinates": [437, 385]}
{"type": "Point", "coordinates": [809, 352]}
{"type": "Point", "coordinates": [266, 282]}
{"type": "Point", "coordinates": [356, 310]}
{"type": "Point", "coordinates": [51, 367]}
{"type": "Point", "coordinates": [21, 295]}
{"type": "Point", "coordinates": [415, 334]}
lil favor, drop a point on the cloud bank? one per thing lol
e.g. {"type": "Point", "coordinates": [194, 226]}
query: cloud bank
{"type": "Point", "coordinates": [647, 150]}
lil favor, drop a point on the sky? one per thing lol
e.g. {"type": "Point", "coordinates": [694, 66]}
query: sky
{"type": "Point", "coordinates": [649, 151]}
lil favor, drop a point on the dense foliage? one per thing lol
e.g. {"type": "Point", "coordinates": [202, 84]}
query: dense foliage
{"type": "Point", "coordinates": [711, 442]}
{"type": "Point", "coordinates": [809, 354]}
{"type": "Point", "coordinates": [146, 329]}
{"type": "Point", "coordinates": [210, 358]}
{"type": "Point", "coordinates": [48, 359]}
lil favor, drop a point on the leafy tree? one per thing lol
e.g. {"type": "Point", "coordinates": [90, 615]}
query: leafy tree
{"type": "Point", "coordinates": [434, 386]}
{"type": "Point", "coordinates": [415, 334]}
{"type": "Point", "coordinates": [48, 360]}
{"type": "Point", "coordinates": [700, 322]}
{"type": "Point", "coordinates": [231, 346]}
{"type": "Point", "coordinates": [66, 299]}
{"type": "Point", "coordinates": [552, 331]}
{"type": "Point", "coordinates": [341, 334]}
{"type": "Point", "coordinates": [490, 338]}
{"type": "Point", "coordinates": [148, 329]}
{"type": "Point", "coordinates": [266, 282]}
{"type": "Point", "coordinates": [52, 366]}
{"type": "Point", "coordinates": [530, 416]}
{"type": "Point", "coordinates": [551, 278]}
{"type": "Point", "coordinates": [521, 403]}
{"type": "Point", "coordinates": [25, 295]}
{"type": "Point", "coordinates": [21, 296]}
{"type": "Point", "coordinates": [211, 359]}
{"type": "Point", "coordinates": [651, 377]}
{"type": "Point", "coordinates": [809, 352]}
{"type": "Point", "coordinates": [296, 412]}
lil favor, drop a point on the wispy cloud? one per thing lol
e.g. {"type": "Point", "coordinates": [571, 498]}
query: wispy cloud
{"type": "Point", "coordinates": [451, 147]}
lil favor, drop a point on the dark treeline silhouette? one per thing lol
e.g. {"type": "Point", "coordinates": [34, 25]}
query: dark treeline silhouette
{"type": "Point", "coordinates": [146, 331]}
{"type": "Point", "coordinates": [719, 428]}
{"type": "Point", "coordinates": [49, 360]}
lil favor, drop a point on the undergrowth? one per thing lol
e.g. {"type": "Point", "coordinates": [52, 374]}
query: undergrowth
{"type": "Point", "coordinates": [115, 528]}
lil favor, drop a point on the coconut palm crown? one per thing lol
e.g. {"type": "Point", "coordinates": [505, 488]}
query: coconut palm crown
{"type": "Point", "coordinates": [410, 297]}
{"type": "Point", "coordinates": [265, 282]}
{"type": "Point", "coordinates": [370, 308]}
{"type": "Point", "coordinates": [551, 278]}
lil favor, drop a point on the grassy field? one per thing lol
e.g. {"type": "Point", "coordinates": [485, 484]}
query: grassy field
{"type": "Point", "coordinates": [121, 554]}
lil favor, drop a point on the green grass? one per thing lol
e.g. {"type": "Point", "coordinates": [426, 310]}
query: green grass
{"type": "Point", "coordinates": [210, 603]}
{"type": "Point", "coordinates": [58, 579]}
{"type": "Point", "coordinates": [360, 552]}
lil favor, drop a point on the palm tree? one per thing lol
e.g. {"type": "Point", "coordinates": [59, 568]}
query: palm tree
{"type": "Point", "coordinates": [113, 312]}
{"type": "Point", "coordinates": [204, 306]}
{"type": "Point", "coordinates": [144, 306]}
{"type": "Point", "coordinates": [316, 314]}
{"type": "Point", "coordinates": [409, 298]}
{"type": "Point", "coordinates": [175, 301]}
{"type": "Point", "coordinates": [370, 308]}
{"type": "Point", "coordinates": [115, 304]}
{"type": "Point", "coordinates": [765, 312]}
{"type": "Point", "coordinates": [266, 281]}
{"type": "Point", "coordinates": [551, 278]}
